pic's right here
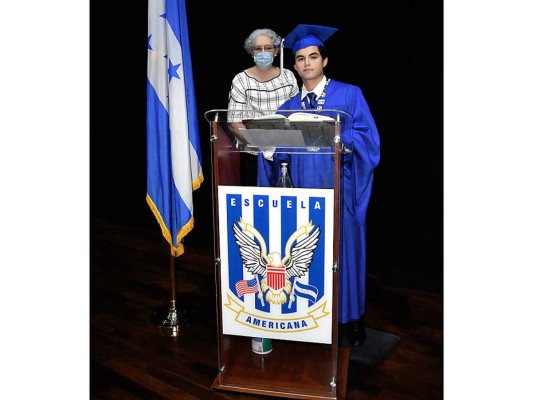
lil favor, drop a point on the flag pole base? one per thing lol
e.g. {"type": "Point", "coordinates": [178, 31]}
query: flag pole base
{"type": "Point", "coordinates": [169, 320]}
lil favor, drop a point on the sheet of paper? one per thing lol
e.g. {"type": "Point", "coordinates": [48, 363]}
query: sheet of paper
{"type": "Point", "coordinates": [273, 137]}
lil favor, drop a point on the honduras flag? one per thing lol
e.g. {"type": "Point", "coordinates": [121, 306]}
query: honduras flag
{"type": "Point", "coordinates": [174, 164]}
{"type": "Point", "coordinates": [309, 292]}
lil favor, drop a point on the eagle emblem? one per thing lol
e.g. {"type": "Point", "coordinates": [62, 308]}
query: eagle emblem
{"type": "Point", "coordinates": [269, 268]}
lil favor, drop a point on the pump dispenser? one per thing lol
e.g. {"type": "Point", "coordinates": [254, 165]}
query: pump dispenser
{"type": "Point", "coordinates": [284, 179]}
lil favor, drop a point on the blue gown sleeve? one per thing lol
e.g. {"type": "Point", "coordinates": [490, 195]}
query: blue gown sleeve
{"type": "Point", "coordinates": [362, 138]}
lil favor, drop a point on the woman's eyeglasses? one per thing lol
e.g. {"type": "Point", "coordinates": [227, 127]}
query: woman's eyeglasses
{"type": "Point", "coordinates": [258, 49]}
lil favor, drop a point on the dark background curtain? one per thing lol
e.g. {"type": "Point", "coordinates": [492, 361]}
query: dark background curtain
{"type": "Point", "coordinates": [392, 51]}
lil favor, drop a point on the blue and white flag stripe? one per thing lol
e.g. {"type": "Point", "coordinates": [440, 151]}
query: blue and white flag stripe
{"type": "Point", "coordinates": [306, 291]}
{"type": "Point", "coordinates": [174, 164]}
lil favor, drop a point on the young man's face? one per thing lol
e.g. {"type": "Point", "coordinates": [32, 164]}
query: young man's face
{"type": "Point", "coordinates": [309, 63]}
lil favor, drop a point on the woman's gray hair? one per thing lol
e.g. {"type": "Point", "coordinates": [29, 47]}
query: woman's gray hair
{"type": "Point", "coordinates": [250, 40]}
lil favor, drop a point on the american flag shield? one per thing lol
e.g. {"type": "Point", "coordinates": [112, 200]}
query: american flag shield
{"type": "Point", "coordinates": [283, 238]}
{"type": "Point", "coordinates": [174, 163]}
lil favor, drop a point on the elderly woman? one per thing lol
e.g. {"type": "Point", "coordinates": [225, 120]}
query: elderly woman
{"type": "Point", "coordinates": [262, 87]}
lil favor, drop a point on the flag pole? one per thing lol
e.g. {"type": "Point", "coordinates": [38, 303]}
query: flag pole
{"type": "Point", "coordinates": [172, 319]}
{"type": "Point", "coordinates": [172, 123]}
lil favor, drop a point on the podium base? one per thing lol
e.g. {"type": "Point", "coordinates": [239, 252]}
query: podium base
{"type": "Point", "coordinates": [342, 379]}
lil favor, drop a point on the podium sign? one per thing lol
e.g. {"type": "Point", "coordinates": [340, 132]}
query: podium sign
{"type": "Point", "coordinates": [276, 262]}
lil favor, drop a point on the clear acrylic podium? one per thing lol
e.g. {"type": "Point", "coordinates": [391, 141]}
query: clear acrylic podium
{"type": "Point", "coordinates": [292, 300]}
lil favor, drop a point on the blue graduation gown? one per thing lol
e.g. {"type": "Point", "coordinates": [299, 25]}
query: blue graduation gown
{"type": "Point", "coordinates": [362, 138]}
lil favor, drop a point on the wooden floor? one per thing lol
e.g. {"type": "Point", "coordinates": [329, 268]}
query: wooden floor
{"type": "Point", "coordinates": [131, 359]}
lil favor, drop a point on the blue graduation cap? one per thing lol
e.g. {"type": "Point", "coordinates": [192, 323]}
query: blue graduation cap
{"type": "Point", "coordinates": [304, 36]}
{"type": "Point", "coordinates": [307, 35]}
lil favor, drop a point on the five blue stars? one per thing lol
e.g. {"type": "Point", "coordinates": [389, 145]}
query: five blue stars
{"type": "Point", "coordinates": [172, 69]}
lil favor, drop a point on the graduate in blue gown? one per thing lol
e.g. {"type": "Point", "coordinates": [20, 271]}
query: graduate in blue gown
{"type": "Point", "coordinates": [360, 136]}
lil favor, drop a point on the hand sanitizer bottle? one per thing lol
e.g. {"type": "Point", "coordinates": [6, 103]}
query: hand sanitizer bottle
{"type": "Point", "coordinates": [284, 180]}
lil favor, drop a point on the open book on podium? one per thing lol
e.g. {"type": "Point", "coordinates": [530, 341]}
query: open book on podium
{"type": "Point", "coordinates": [299, 129]}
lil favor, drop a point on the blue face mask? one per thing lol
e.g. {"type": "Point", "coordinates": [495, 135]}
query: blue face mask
{"type": "Point", "coordinates": [264, 59]}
